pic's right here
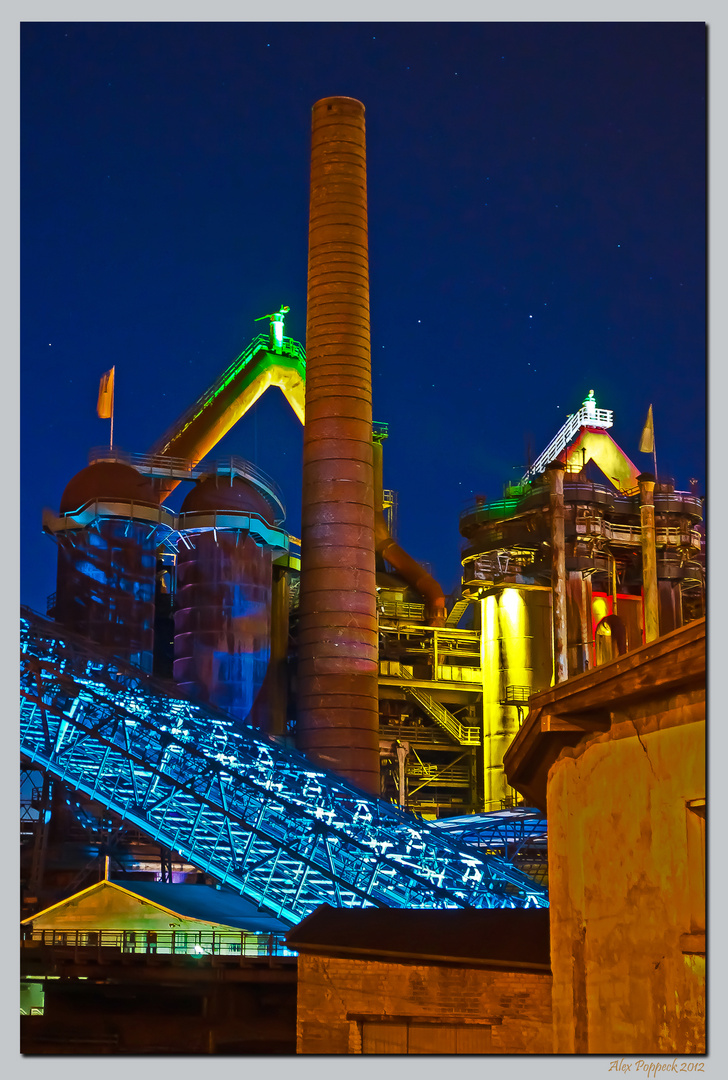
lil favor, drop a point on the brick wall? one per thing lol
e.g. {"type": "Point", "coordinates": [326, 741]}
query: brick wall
{"type": "Point", "coordinates": [335, 996]}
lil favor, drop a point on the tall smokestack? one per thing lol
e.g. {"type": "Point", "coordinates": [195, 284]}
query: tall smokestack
{"type": "Point", "coordinates": [338, 721]}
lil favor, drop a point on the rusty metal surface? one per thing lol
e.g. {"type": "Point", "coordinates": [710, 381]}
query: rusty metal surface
{"type": "Point", "coordinates": [220, 493]}
{"type": "Point", "coordinates": [555, 472]}
{"type": "Point", "coordinates": [386, 546]}
{"type": "Point", "coordinates": [222, 622]}
{"type": "Point", "coordinates": [105, 587]}
{"type": "Point", "coordinates": [105, 575]}
{"type": "Point", "coordinates": [107, 480]}
{"type": "Point", "coordinates": [338, 655]}
{"type": "Point", "coordinates": [649, 556]}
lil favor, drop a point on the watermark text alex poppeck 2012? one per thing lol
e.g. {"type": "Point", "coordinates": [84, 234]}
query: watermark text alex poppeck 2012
{"type": "Point", "coordinates": [653, 1068]}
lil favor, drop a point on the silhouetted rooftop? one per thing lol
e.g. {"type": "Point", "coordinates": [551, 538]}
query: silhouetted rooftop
{"type": "Point", "coordinates": [495, 937]}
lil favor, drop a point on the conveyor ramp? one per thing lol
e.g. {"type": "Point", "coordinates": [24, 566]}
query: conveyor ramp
{"type": "Point", "coordinates": [255, 815]}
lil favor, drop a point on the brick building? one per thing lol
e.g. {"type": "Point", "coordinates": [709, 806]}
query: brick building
{"type": "Point", "coordinates": [386, 981]}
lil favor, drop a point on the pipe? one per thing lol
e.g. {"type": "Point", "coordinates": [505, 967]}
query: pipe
{"type": "Point", "coordinates": [558, 569]}
{"type": "Point", "coordinates": [388, 548]}
{"type": "Point", "coordinates": [338, 705]}
{"type": "Point", "coordinates": [649, 555]}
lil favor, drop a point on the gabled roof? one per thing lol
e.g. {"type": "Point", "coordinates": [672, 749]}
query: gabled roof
{"type": "Point", "coordinates": [511, 938]}
{"type": "Point", "coordinates": [201, 902]}
{"type": "Point", "coordinates": [207, 904]}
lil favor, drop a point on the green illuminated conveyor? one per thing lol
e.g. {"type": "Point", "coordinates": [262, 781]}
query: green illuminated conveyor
{"type": "Point", "coordinates": [269, 360]}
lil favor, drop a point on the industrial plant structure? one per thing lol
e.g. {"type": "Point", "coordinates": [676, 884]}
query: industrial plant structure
{"type": "Point", "coordinates": [210, 595]}
{"type": "Point", "coordinates": [282, 716]}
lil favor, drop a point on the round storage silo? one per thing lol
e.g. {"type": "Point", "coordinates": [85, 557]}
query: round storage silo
{"type": "Point", "coordinates": [106, 566]}
{"type": "Point", "coordinates": [222, 619]}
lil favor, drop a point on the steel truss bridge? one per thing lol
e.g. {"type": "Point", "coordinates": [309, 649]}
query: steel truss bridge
{"type": "Point", "coordinates": [516, 833]}
{"type": "Point", "coordinates": [510, 831]}
{"type": "Point", "coordinates": [255, 815]}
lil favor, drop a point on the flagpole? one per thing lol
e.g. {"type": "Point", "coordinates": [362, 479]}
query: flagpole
{"type": "Point", "coordinates": [113, 395]}
{"type": "Point", "coordinates": [647, 440]}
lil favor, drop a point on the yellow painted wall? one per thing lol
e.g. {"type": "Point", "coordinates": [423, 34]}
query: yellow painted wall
{"type": "Point", "coordinates": [107, 908]}
{"type": "Point", "coordinates": [625, 885]}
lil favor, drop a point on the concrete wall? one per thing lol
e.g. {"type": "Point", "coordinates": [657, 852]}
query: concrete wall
{"type": "Point", "coordinates": [626, 871]}
{"type": "Point", "coordinates": [334, 994]}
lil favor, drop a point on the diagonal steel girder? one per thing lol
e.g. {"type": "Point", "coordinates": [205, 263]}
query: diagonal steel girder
{"type": "Point", "coordinates": [260, 818]}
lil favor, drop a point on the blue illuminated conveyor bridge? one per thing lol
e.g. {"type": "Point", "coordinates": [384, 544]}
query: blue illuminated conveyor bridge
{"type": "Point", "coordinates": [256, 816]}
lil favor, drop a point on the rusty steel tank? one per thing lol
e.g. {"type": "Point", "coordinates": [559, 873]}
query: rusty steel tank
{"type": "Point", "coordinates": [106, 566]}
{"type": "Point", "coordinates": [222, 621]}
{"type": "Point", "coordinates": [337, 723]}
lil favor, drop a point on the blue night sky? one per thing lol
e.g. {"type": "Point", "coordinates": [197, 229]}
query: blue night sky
{"type": "Point", "coordinates": [537, 229]}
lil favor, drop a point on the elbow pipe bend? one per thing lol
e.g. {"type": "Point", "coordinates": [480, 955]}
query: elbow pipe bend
{"type": "Point", "coordinates": [414, 574]}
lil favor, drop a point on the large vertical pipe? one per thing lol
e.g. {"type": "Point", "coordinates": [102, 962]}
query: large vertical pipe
{"type": "Point", "coordinates": [388, 548]}
{"type": "Point", "coordinates": [558, 569]}
{"type": "Point", "coordinates": [338, 722]}
{"type": "Point", "coordinates": [649, 555]}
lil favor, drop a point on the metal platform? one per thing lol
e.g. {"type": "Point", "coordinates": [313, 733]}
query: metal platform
{"type": "Point", "coordinates": [256, 816]}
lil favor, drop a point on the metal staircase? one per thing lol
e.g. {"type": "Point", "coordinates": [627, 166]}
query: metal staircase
{"type": "Point", "coordinates": [259, 818]}
{"type": "Point", "coordinates": [466, 736]}
{"type": "Point", "coordinates": [456, 613]}
{"type": "Point", "coordinates": [587, 416]}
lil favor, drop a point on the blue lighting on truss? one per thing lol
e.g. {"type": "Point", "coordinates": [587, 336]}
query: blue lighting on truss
{"type": "Point", "coordinates": [256, 816]}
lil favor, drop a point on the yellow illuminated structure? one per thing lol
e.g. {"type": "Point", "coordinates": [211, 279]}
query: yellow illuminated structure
{"type": "Point", "coordinates": [508, 575]}
{"type": "Point", "coordinates": [269, 360]}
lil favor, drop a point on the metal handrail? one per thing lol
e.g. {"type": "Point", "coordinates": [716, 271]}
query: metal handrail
{"type": "Point", "coordinates": [159, 465]}
{"type": "Point", "coordinates": [466, 736]}
{"type": "Point", "coordinates": [288, 347]}
{"type": "Point", "coordinates": [181, 942]}
{"type": "Point", "coordinates": [395, 609]}
{"type": "Point", "coordinates": [501, 508]}
{"type": "Point", "coordinates": [517, 695]}
{"type": "Point", "coordinates": [587, 416]}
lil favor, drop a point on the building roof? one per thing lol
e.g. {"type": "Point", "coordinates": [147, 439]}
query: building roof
{"type": "Point", "coordinates": [201, 902]}
{"type": "Point", "coordinates": [495, 937]}
{"type": "Point", "coordinates": [207, 904]}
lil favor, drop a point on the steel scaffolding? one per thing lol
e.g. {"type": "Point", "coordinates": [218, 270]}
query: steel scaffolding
{"type": "Point", "coordinates": [256, 816]}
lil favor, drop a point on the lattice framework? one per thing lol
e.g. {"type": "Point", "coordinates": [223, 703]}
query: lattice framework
{"type": "Point", "coordinates": [255, 815]}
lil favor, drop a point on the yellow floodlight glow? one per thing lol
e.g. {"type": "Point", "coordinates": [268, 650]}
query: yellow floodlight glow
{"type": "Point", "coordinates": [599, 608]}
{"type": "Point", "coordinates": [514, 623]}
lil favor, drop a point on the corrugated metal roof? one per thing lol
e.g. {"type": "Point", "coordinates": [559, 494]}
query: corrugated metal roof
{"type": "Point", "coordinates": [207, 904]}
{"type": "Point", "coordinates": [502, 937]}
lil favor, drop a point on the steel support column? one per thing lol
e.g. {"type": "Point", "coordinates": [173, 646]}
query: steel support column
{"type": "Point", "coordinates": [555, 473]}
{"type": "Point", "coordinates": [649, 555]}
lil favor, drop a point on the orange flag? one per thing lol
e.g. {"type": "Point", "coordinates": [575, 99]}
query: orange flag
{"type": "Point", "coordinates": [105, 404]}
{"type": "Point", "coordinates": [647, 442]}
